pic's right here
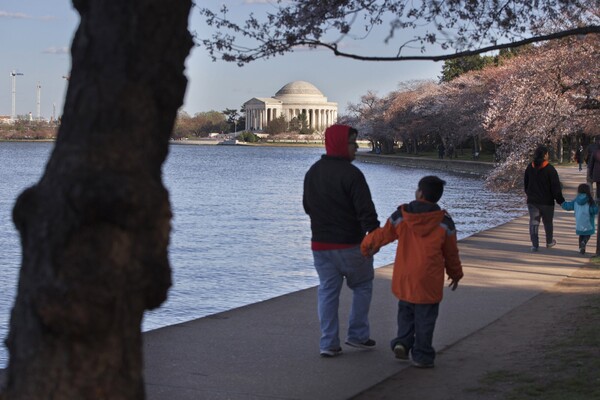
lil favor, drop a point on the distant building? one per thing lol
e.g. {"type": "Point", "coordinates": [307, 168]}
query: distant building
{"type": "Point", "coordinates": [291, 101]}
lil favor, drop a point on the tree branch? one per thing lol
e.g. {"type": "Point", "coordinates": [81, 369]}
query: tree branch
{"type": "Point", "coordinates": [592, 29]}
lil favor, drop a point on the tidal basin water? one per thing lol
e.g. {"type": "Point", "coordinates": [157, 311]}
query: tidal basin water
{"type": "Point", "coordinates": [240, 234]}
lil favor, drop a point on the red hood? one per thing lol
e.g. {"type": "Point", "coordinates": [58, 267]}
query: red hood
{"type": "Point", "coordinates": [336, 141]}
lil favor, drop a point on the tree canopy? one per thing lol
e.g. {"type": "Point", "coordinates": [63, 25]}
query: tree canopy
{"type": "Point", "coordinates": [466, 27]}
{"type": "Point", "coordinates": [548, 94]}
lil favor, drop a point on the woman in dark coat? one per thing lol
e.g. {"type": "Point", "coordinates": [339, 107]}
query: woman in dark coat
{"type": "Point", "coordinates": [543, 188]}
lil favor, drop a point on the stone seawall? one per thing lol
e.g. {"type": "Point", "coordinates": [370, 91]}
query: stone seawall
{"type": "Point", "coordinates": [461, 166]}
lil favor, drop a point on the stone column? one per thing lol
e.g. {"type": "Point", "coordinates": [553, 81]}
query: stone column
{"type": "Point", "coordinates": [261, 119]}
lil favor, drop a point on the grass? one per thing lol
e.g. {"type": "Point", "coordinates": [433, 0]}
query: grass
{"type": "Point", "coordinates": [567, 368]}
{"type": "Point", "coordinates": [595, 261]}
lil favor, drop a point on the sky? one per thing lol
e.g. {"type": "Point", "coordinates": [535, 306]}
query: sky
{"type": "Point", "coordinates": [37, 34]}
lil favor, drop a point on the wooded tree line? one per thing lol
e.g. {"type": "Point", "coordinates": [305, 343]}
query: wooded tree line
{"type": "Point", "coordinates": [546, 94]}
{"type": "Point", "coordinates": [201, 124]}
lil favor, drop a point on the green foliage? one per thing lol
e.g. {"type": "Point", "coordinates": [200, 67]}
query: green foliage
{"type": "Point", "coordinates": [295, 125]}
{"type": "Point", "coordinates": [459, 66]}
{"type": "Point", "coordinates": [232, 118]}
{"type": "Point", "coordinates": [304, 125]}
{"type": "Point", "coordinates": [277, 125]}
{"type": "Point", "coordinates": [455, 68]}
{"type": "Point", "coordinates": [248, 137]}
{"type": "Point", "coordinates": [231, 114]}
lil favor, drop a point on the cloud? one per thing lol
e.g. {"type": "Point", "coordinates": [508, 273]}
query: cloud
{"type": "Point", "coordinates": [251, 2]}
{"type": "Point", "coordinates": [17, 15]}
{"type": "Point", "coordinates": [6, 14]}
{"type": "Point", "coordinates": [56, 50]}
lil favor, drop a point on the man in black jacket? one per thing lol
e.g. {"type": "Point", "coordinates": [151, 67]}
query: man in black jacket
{"type": "Point", "coordinates": [338, 201]}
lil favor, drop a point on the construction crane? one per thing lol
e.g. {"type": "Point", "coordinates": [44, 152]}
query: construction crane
{"type": "Point", "coordinates": [39, 98]}
{"type": "Point", "coordinates": [14, 75]}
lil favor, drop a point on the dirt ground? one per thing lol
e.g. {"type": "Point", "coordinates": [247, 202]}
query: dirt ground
{"type": "Point", "coordinates": [548, 348]}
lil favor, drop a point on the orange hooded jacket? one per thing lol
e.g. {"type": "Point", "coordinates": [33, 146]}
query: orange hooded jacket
{"type": "Point", "coordinates": [427, 247]}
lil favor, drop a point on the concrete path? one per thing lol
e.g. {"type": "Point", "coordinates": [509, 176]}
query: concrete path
{"type": "Point", "coordinates": [269, 350]}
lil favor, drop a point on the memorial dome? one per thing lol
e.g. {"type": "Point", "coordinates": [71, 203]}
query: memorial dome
{"type": "Point", "coordinates": [298, 88]}
{"type": "Point", "coordinates": [300, 91]}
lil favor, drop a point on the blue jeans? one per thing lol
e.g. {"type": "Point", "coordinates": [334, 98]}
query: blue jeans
{"type": "Point", "coordinates": [545, 213]}
{"type": "Point", "coordinates": [416, 323]}
{"type": "Point", "coordinates": [332, 267]}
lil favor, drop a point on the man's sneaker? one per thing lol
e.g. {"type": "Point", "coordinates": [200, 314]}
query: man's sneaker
{"type": "Point", "coordinates": [367, 344]}
{"type": "Point", "coordinates": [400, 352]}
{"type": "Point", "coordinates": [422, 365]}
{"type": "Point", "coordinates": [552, 244]}
{"type": "Point", "coordinates": [331, 353]}
{"type": "Point", "coordinates": [534, 249]}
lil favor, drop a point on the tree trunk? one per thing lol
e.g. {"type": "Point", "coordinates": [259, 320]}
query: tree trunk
{"type": "Point", "coordinates": [95, 228]}
{"type": "Point", "coordinates": [560, 150]}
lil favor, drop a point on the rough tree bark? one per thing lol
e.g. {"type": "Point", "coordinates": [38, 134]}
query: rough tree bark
{"type": "Point", "coordinates": [95, 228]}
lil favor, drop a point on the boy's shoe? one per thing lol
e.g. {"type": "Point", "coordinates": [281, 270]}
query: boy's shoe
{"type": "Point", "coordinates": [422, 365]}
{"type": "Point", "coordinates": [534, 249]}
{"type": "Point", "coordinates": [367, 344]}
{"type": "Point", "coordinates": [331, 353]}
{"type": "Point", "coordinates": [400, 352]}
{"type": "Point", "coordinates": [552, 244]}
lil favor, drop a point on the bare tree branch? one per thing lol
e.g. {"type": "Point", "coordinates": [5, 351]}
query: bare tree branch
{"type": "Point", "coordinates": [536, 39]}
{"type": "Point", "coordinates": [469, 27]}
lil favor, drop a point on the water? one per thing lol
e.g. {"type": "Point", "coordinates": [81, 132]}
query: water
{"type": "Point", "coordinates": [240, 234]}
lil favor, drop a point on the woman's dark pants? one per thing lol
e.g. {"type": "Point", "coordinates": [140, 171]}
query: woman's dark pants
{"type": "Point", "coordinates": [545, 213]}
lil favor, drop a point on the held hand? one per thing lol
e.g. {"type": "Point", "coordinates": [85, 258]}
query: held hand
{"type": "Point", "coordinates": [453, 284]}
{"type": "Point", "coordinates": [373, 251]}
{"type": "Point", "coordinates": [368, 251]}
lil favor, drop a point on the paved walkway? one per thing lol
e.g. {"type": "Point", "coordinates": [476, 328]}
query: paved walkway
{"type": "Point", "coordinates": [269, 350]}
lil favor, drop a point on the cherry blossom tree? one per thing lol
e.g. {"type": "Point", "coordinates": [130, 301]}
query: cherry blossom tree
{"type": "Point", "coordinates": [368, 117]}
{"type": "Point", "coordinates": [409, 112]}
{"type": "Point", "coordinates": [541, 98]}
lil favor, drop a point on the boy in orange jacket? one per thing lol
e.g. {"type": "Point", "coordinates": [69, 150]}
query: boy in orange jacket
{"type": "Point", "coordinates": [427, 247]}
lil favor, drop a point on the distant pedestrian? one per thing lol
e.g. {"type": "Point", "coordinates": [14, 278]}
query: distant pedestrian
{"type": "Point", "coordinates": [542, 187]}
{"type": "Point", "coordinates": [441, 150]}
{"type": "Point", "coordinates": [338, 201]}
{"type": "Point", "coordinates": [594, 169]}
{"type": "Point", "coordinates": [427, 247]}
{"type": "Point", "coordinates": [450, 151]}
{"type": "Point", "coordinates": [585, 209]}
{"type": "Point", "coordinates": [591, 149]}
{"type": "Point", "coordinates": [579, 157]}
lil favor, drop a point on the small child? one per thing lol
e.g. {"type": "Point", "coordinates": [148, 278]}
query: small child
{"type": "Point", "coordinates": [427, 247]}
{"type": "Point", "coordinates": [585, 210]}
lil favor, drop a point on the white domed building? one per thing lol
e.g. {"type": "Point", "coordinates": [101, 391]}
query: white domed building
{"type": "Point", "coordinates": [292, 100]}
